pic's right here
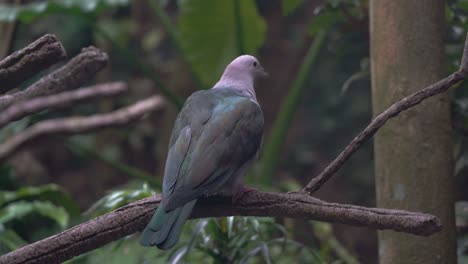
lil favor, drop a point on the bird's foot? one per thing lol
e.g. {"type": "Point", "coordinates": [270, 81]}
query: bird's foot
{"type": "Point", "coordinates": [240, 193]}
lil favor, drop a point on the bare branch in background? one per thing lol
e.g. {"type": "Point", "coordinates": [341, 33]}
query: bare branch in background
{"type": "Point", "coordinates": [78, 125]}
{"type": "Point", "coordinates": [25, 63]}
{"type": "Point", "coordinates": [398, 107]}
{"type": "Point", "coordinates": [74, 74]}
{"type": "Point", "coordinates": [133, 217]}
{"type": "Point", "coordinates": [25, 108]}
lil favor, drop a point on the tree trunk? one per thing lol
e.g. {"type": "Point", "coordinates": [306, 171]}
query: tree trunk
{"type": "Point", "coordinates": [413, 153]}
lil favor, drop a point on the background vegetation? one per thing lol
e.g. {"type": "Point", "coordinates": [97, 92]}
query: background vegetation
{"type": "Point", "coordinates": [316, 99]}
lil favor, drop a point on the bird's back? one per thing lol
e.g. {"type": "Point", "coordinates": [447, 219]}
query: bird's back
{"type": "Point", "coordinates": [225, 132]}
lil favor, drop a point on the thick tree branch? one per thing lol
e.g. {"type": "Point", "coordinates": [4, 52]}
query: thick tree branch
{"type": "Point", "coordinates": [30, 60]}
{"type": "Point", "coordinates": [77, 125]}
{"type": "Point", "coordinates": [133, 217]}
{"type": "Point", "coordinates": [72, 75]}
{"type": "Point", "coordinates": [25, 108]}
{"type": "Point", "coordinates": [398, 107]}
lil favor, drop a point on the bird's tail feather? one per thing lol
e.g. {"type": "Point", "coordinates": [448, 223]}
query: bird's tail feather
{"type": "Point", "coordinates": [164, 227]}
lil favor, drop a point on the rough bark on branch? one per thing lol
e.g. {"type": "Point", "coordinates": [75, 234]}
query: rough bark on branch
{"type": "Point", "coordinates": [74, 74]}
{"type": "Point", "coordinates": [133, 217]}
{"type": "Point", "coordinates": [25, 63]}
{"type": "Point", "coordinates": [35, 105]}
{"type": "Point", "coordinates": [398, 107]}
{"type": "Point", "coordinates": [78, 125]}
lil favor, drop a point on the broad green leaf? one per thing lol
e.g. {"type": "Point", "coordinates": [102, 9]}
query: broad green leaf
{"type": "Point", "coordinates": [208, 34]}
{"type": "Point", "coordinates": [29, 12]}
{"type": "Point", "coordinates": [18, 210]}
{"type": "Point", "coordinates": [290, 5]}
{"type": "Point", "coordinates": [48, 192]}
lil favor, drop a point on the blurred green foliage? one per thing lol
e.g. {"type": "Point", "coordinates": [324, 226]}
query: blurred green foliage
{"type": "Point", "coordinates": [206, 34]}
{"type": "Point", "coordinates": [23, 210]}
{"type": "Point", "coordinates": [457, 18]}
{"type": "Point", "coordinates": [208, 241]}
{"type": "Point", "coordinates": [29, 12]}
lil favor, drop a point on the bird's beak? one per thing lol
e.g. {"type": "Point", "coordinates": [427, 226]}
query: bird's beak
{"type": "Point", "coordinates": [262, 73]}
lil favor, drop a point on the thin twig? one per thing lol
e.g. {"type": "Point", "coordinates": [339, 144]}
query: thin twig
{"type": "Point", "coordinates": [78, 125]}
{"type": "Point", "coordinates": [133, 217]}
{"type": "Point", "coordinates": [398, 107]}
{"type": "Point", "coordinates": [23, 64]}
{"type": "Point", "coordinates": [25, 108]}
{"type": "Point", "coordinates": [74, 74]}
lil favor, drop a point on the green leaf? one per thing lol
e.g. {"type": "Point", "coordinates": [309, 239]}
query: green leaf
{"type": "Point", "coordinates": [208, 31]}
{"type": "Point", "coordinates": [290, 5]}
{"type": "Point", "coordinates": [48, 192]}
{"type": "Point", "coordinates": [29, 12]}
{"type": "Point", "coordinates": [18, 210]}
{"type": "Point", "coordinates": [118, 198]}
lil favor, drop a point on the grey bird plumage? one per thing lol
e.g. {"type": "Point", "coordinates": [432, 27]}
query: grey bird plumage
{"type": "Point", "coordinates": [215, 138]}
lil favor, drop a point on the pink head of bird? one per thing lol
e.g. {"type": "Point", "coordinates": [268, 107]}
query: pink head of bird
{"type": "Point", "coordinates": [245, 65]}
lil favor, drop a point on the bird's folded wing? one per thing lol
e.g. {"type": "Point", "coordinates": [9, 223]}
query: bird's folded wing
{"type": "Point", "coordinates": [228, 140]}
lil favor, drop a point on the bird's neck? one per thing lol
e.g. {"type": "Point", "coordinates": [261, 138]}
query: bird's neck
{"type": "Point", "coordinates": [244, 84]}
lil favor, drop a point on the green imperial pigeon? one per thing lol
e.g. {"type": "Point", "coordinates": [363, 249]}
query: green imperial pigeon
{"type": "Point", "coordinates": [215, 138]}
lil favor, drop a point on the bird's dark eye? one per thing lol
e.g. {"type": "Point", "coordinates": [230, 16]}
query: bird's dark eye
{"type": "Point", "coordinates": [254, 64]}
